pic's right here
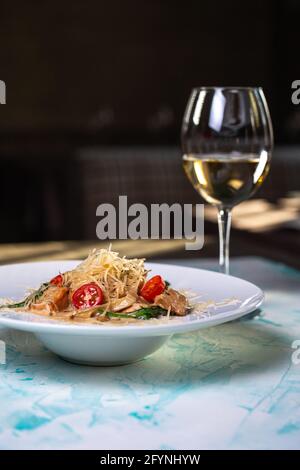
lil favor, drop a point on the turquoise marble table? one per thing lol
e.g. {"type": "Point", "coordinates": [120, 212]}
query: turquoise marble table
{"type": "Point", "coordinates": [230, 387]}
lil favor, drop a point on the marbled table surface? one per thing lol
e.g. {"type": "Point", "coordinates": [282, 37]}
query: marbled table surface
{"type": "Point", "coordinates": [230, 387]}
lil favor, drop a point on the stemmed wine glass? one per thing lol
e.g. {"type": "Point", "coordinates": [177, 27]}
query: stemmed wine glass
{"type": "Point", "coordinates": [227, 142]}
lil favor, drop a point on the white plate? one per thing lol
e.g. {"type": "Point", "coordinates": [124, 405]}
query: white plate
{"type": "Point", "coordinates": [110, 345]}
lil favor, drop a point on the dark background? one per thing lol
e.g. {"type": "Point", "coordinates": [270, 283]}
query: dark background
{"type": "Point", "coordinates": [124, 69]}
{"type": "Point", "coordinates": [93, 86]}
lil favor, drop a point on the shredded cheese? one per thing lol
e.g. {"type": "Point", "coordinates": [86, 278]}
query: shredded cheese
{"type": "Point", "coordinates": [116, 276]}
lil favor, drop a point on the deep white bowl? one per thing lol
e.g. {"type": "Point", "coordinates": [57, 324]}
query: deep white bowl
{"type": "Point", "coordinates": [107, 345]}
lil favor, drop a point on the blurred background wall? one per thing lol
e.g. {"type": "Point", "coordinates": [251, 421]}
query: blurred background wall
{"type": "Point", "coordinates": [96, 92]}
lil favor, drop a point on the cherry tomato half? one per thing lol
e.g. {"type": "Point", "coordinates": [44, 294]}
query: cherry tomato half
{"type": "Point", "coordinates": [88, 295]}
{"type": "Point", "coordinates": [155, 286]}
{"type": "Point", "coordinates": [57, 280]}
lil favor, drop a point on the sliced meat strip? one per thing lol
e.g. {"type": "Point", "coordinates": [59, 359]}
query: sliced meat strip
{"type": "Point", "coordinates": [175, 300]}
{"type": "Point", "coordinates": [54, 299]}
{"type": "Point", "coordinates": [117, 305]}
{"type": "Point", "coordinates": [136, 306]}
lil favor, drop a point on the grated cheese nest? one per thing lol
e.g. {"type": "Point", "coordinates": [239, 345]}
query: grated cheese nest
{"type": "Point", "coordinates": [116, 276]}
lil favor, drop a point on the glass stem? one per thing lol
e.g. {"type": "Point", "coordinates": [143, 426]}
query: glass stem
{"type": "Point", "coordinates": [224, 222]}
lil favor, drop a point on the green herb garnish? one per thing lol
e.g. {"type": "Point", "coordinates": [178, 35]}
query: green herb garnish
{"type": "Point", "coordinates": [142, 314]}
{"type": "Point", "coordinates": [32, 298]}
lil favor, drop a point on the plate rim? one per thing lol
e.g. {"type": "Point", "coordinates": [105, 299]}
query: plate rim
{"type": "Point", "coordinates": [177, 326]}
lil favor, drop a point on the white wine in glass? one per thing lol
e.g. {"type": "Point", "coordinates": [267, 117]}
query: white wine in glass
{"type": "Point", "coordinates": [227, 142]}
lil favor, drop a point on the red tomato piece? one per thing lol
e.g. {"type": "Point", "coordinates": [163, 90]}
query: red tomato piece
{"type": "Point", "coordinates": [88, 295]}
{"type": "Point", "coordinates": [57, 280]}
{"type": "Point", "coordinates": [155, 286]}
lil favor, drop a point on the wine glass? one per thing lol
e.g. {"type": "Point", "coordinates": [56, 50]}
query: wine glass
{"type": "Point", "coordinates": [227, 142]}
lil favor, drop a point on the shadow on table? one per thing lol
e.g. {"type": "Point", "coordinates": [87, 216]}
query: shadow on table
{"type": "Point", "coordinates": [210, 356]}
